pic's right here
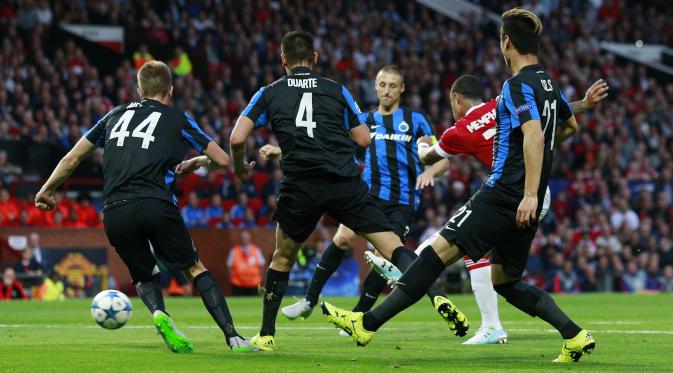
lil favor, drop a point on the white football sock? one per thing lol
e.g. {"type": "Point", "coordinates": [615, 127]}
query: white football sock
{"type": "Point", "coordinates": [487, 298]}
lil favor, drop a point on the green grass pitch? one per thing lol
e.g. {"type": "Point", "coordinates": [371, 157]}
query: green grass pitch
{"type": "Point", "coordinates": [633, 333]}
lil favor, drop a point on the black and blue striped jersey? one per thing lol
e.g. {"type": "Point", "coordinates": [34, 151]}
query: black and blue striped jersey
{"type": "Point", "coordinates": [529, 95]}
{"type": "Point", "coordinates": [312, 117]}
{"type": "Point", "coordinates": [143, 142]}
{"type": "Point", "coordinates": [391, 161]}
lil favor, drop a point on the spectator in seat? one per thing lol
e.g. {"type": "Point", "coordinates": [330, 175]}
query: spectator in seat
{"type": "Point", "coordinates": [87, 213]}
{"type": "Point", "coordinates": [666, 279]}
{"type": "Point", "coordinates": [265, 213]}
{"type": "Point", "coordinates": [237, 211]}
{"type": "Point", "coordinates": [8, 208]}
{"type": "Point", "coordinates": [214, 210]}
{"type": "Point", "coordinates": [235, 187]}
{"type": "Point", "coordinates": [57, 220]}
{"type": "Point", "coordinates": [604, 277]}
{"type": "Point", "coordinates": [10, 287]}
{"type": "Point", "coordinates": [246, 266]}
{"type": "Point", "coordinates": [73, 220]}
{"type": "Point", "coordinates": [28, 264]}
{"type": "Point", "coordinates": [193, 215]}
{"type": "Point", "coordinates": [634, 279]}
{"type": "Point", "coordinates": [225, 221]}
{"type": "Point", "coordinates": [7, 170]}
{"type": "Point", "coordinates": [566, 280]}
{"type": "Point", "coordinates": [249, 221]}
{"type": "Point", "coordinates": [272, 187]}
{"type": "Point", "coordinates": [623, 215]}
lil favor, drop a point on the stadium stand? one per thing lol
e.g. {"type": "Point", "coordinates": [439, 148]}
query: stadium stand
{"type": "Point", "coordinates": [610, 226]}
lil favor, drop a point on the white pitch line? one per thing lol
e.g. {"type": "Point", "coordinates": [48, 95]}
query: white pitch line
{"type": "Point", "coordinates": [304, 328]}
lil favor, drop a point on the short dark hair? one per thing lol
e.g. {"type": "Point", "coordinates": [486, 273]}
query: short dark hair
{"type": "Point", "coordinates": [154, 79]}
{"type": "Point", "coordinates": [393, 69]}
{"type": "Point", "coordinates": [523, 28]}
{"type": "Point", "coordinates": [468, 86]}
{"type": "Point", "coordinates": [297, 46]}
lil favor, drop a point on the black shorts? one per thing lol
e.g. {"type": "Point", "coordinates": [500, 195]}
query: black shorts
{"type": "Point", "coordinates": [301, 203]}
{"type": "Point", "coordinates": [132, 225]}
{"type": "Point", "coordinates": [488, 222]}
{"type": "Point", "coordinates": [401, 217]}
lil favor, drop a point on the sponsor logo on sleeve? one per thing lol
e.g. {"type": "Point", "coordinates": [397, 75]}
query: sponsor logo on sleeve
{"type": "Point", "coordinates": [523, 108]}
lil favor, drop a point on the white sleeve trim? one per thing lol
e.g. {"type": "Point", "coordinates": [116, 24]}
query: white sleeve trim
{"type": "Point", "coordinates": [441, 151]}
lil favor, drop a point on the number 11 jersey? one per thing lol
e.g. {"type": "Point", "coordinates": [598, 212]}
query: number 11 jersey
{"type": "Point", "coordinates": [311, 116]}
{"type": "Point", "coordinates": [143, 143]}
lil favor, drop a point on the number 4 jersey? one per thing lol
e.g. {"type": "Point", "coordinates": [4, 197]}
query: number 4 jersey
{"type": "Point", "coordinates": [311, 116]}
{"type": "Point", "coordinates": [143, 142]}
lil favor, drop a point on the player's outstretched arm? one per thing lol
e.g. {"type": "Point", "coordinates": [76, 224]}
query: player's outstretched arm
{"type": "Point", "coordinates": [427, 177]}
{"type": "Point", "coordinates": [361, 136]}
{"type": "Point", "coordinates": [215, 158]}
{"type": "Point", "coordinates": [565, 130]}
{"type": "Point", "coordinates": [239, 136]}
{"type": "Point", "coordinates": [595, 94]}
{"type": "Point", "coordinates": [533, 152]}
{"type": "Point", "coordinates": [44, 200]}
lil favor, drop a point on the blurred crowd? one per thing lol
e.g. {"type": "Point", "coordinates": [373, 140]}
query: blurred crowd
{"type": "Point", "coordinates": [610, 226]}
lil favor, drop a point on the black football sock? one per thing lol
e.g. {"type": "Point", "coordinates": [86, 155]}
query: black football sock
{"type": "Point", "coordinates": [411, 287]}
{"type": "Point", "coordinates": [536, 302]}
{"type": "Point", "coordinates": [274, 289]}
{"type": "Point", "coordinates": [434, 291]}
{"type": "Point", "coordinates": [215, 304]}
{"type": "Point", "coordinates": [402, 258]}
{"type": "Point", "coordinates": [372, 286]}
{"type": "Point", "coordinates": [329, 262]}
{"type": "Point", "coordinates": [150, 293]}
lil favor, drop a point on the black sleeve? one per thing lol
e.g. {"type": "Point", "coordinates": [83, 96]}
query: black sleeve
{"type": "Point", "coordinates": [256, 109]}
{"type": "Point", "coordinates": [194, 135]}
{"type": "Point", "coordinates": [565, 109]}
{"type": "Point", "coordinates": [96, 134]}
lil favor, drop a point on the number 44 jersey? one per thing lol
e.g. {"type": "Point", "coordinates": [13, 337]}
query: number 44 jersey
{"type": "Point", "coordinates": [143, 142]}
{"type": "Point", "coordinates": [311, 116]}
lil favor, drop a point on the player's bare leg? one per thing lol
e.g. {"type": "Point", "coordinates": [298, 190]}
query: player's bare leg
{"type": "Point", "coordinates": [274, 288]}
{"type": "Point", "coordinates": [411, 287]}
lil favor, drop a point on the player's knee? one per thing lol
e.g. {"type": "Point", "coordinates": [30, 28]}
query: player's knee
{"type": "Point", "coordinates": [195, 270]}
{"type": "Point", "coordinates": [283, 260]}
{"type": "Point", "coordinates": [344, 240]}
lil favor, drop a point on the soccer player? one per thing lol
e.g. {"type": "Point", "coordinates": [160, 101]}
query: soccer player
{"type": "Point", "coordinates": [144, 141]}
{"type": "Point", "coordinates": [473, 134]}
{"type": "Point", "coordinates": [391, 166]}
{"type": "Point", "coordinates": [316, 121]}
{"type": "Point", "coordinates": [532, 117]}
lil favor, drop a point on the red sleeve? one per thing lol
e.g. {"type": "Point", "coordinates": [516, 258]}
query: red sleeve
{"type": "Point", "coordinates": [21, 290]}
{"type": "Point", "coordinates": [454, 140]}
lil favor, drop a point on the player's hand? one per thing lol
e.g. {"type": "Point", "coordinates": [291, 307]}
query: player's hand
{"type": "Point", "coordinates": [596, 93]}
{"type": "Point", "coordinates": [424, 140]}
{"type": "Point", "coordinates": [44, 200]}
{"type": "Point", "coordinates": [187, 167]}
{"type": "Point", "coordinates": [270, 152]}
{"type": "Point", "coordinates": [427, 178]}
{"type": "Point", "coordinates": [525, 214]}
{"type": "Point", "coordinates": [244, 172]}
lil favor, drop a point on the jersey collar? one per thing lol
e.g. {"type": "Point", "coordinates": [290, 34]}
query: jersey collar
{"type": "Point", "coordinates": [300, 70]}
{"type": "Point", "coordinates": [473, 108]}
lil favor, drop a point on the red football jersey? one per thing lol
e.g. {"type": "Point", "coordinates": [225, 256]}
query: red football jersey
{"type": "Point", "coordinates": [472, 134]}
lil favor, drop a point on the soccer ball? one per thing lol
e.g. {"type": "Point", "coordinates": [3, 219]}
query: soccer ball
{"type": "Point", "coordinates": [111, 309]}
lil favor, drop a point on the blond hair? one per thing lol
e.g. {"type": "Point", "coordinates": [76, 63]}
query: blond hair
{"type": "Point", "coordinates": [154, 79]}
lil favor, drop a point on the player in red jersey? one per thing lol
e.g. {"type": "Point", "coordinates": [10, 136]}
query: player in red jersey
{"type": "Point", "coordinates": [473, 134]}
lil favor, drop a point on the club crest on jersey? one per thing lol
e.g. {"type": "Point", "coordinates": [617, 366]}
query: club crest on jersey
{"type": "Point", "coordinates": [523, 108]}
{"type": "Point", "coordinates": [403, 126]}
